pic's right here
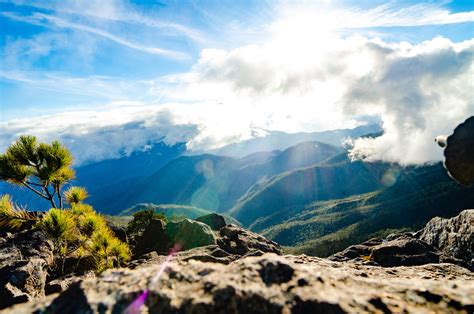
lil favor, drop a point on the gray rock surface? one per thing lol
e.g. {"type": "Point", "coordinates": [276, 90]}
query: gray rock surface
{"type": "Point", "coordinates": [270, 284]}
{"type": "Point", "coordinates": [441, 240]}
{"type": "Point", "coordinates": [24, 259]}
{"type": "Point", "coordinates": [153, 238]}
{"type": "Point", "coordinates": [403, 251]}
{"type": "Point", "coordinates": [454, 237]}
{"type": "Point", "coordinates": [239, 273]}
{"type": "Point", "coordinates": [239, 241]}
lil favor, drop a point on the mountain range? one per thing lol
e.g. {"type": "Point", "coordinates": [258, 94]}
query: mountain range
{"type": "Point", "coordinates": [302, 190]}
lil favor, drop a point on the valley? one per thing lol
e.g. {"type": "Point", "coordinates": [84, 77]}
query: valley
{"type": "Point", "coordinates": [309, 197]}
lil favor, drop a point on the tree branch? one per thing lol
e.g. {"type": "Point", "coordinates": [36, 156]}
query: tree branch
{"type": "Point", "coordinates": [33, 183]}
{"type": "Point", "coordinates": [50, 197]}
{"type": "Point", "coordinates": [34, 190]}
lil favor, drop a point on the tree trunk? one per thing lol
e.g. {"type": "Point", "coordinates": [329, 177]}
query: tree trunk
{"type": "Point", "coordinates": [59, 197]}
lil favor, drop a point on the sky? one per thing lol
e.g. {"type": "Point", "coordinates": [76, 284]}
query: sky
{"type": "Point", "coordinates": [117, 76]}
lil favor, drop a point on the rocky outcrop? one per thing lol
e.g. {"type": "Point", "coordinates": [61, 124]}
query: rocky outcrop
{"type": "Point", "coordinates": [189, 234]}
{"type": "Point", "coordinates": [269, 284]}
{"type": "Point", "coordinates": [243, 272]}
{"type": "Point", "coordinates": [459, 153]}
{"type": "Point", "coordinates": [454, 237]}
{"type": "Point", "coordinates": [403, 251]}
{"type": "Point", "coordinates": [153, 238]}
{"type": "Point", "coordinates": [24, 258]}
{"type": "Point", "coordinates": [222, 246]}
{"type": "Point", "coordinates": [239, 241]}
{"type": "Point", "coordinates": [213, 220]}
{"type": "Point", "coordinates": [441, 240]}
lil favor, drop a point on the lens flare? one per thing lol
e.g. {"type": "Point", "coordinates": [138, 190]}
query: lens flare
{"type": "Point", "coordinates": [390, 177]}
{"type": "Point", "coordinates": [134, 307]}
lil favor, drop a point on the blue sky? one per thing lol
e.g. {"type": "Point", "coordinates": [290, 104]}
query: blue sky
{"type": "Point", "coordinates": [203, 62]}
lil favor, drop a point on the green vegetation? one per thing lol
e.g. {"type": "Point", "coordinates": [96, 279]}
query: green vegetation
{"type": "Point", "coordinates": [40, 167]}
{"type": "Point", "coordinates": [172, 212]}
{"type": "Point", "coordinates": [77, 231]}
{"type": "Point", "coordinates": [142, 218]}
{"type": "Point", "coordinates": [326, 227]}
{"type": "Point", "coordinates": [75, 194]}
{"type": "Point", "coordinates": [12, 217]}
{"type": "Point", "coordinates": [168, 210]}
{"type": "Point", "coordinates": [60, 226]}
{"type": "Point", "coordinates": [81, 232]}
{"type": "Point", "coordinates": [300, 187]}
{"type": "Point", "coordinates": [106, 250]}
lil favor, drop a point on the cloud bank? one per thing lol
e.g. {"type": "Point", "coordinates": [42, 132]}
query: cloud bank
{"type": "Point", "coordinates": [420, 92]}
{"type": "Point", "coordinates": [108, 134]}
{"type": "Point", "coordinates": [307, 75]}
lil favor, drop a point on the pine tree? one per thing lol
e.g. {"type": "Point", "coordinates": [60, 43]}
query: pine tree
{"type": "Point", "coordinates": [40, 167]}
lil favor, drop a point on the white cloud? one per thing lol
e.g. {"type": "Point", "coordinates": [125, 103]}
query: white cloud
{"type": "Point", "coordinates": [305, 77]}
{"type": "Point", "coordinates": [95, 135]}
{"type": "Point", "coordinates": [48, 20]}
{"type": "Point", "coordinates": [115, 11]}
{"type": "Point", "coordinates": [390, 14]}
{"type": "Point", "coordinates": [104, 87]}
{"type": "Point", "coordinates": [420, 92]}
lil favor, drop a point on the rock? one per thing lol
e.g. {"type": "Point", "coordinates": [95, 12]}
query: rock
{"type": "Point", "coordinates": [239, 241]}
{"type": "Point", "coordinates": [213, 220]}
{"type": "Point", "coordinates": [454, 237]}
{"type": "Point", "coordinates": [154, 238]}
{"type": "Point", "coordinates": [233, 240]}
{"type": "Point", "coordinates": [356, 252]}
{"type": "Point", "coordinates": [440, 241]}
{"type": "Point", "coordinates": [61, 284]}
{"type": "Point", "coordinates": [24, 258]}
{"type": "Point", "coordinates": [459, 153]}
{"type": "Point", "coordinates": [404, 251]}
{"type": "Point", "coordinates": [189, 234]}
{"type": "Point", "coordinates": [209, 253]}
{"type": "Point", "coordinates": [119, 232]}
{"type": "Point", "coordinates": [395, 250]}
{"type": "Point", "coordinates": [269, 284]}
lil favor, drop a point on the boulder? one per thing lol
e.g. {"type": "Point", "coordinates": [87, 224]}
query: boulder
{"type": "Point", "coordinates": [440, 241]}
{"type": "Point", "coordinates": [189, 234]}
{"type": "Point", "coordinates": [24, 259]}
{"type": "Point", "coordinates": [239, 241]}
{"type": "Point", "coordinates": [119, 232]}
{"type": "Point", "coordinates": [459, 153]}
{"type": "Point", "coordinates": [153, 238]}
{"type": "Point", "coordinates": [404, 251]}
{"type": "Point", "coordinates": [213, 220]}
{"type": "Point", "coordinates": [454, 237]}
{"type": "Point", "coordinates": [267, 284]}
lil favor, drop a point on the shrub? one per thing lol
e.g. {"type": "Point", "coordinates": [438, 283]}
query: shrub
{"type": "Point", "coordinates": [75, 195]}
{"type": "Point", "coordinates": [13, 217]}
{"type": "Point", "coordinates": [89, 223]}
{"type": "Point", "coordinates": [142, 218]}
{"type": "Point", "coordinates": [81, 209]}
{"type": "Point", "coordinates": [44, 169]}
{"type": "Point", "coordinates": [60, 226]}
{"type": "Point", "coordinates": [106, 250]}
{"type": "Point", "coordinates": [83, 232]}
